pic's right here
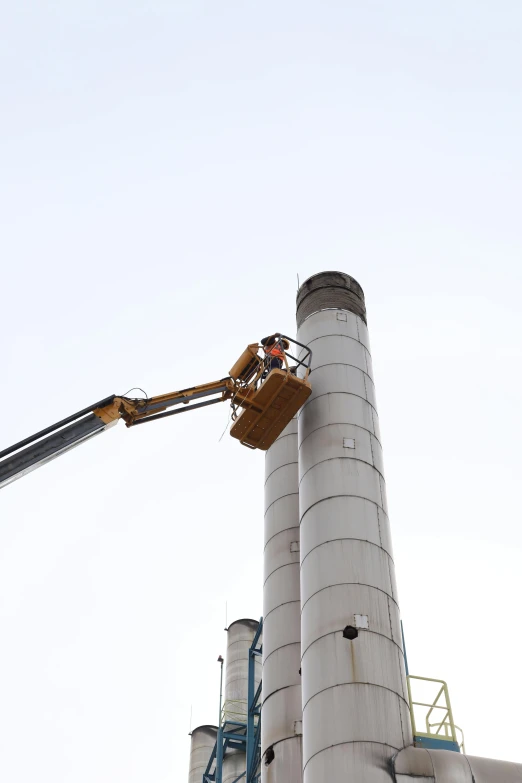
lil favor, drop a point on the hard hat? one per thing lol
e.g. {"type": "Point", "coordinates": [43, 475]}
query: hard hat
{"type": "Point", "coordinates": [285, 344]}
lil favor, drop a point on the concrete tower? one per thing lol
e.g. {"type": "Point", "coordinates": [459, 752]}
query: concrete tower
{"type": "Point", "coordinates": [355, 708]}
{"type": "Point", "coordinates": [281, 712]}
{"type": "Point", "coordinates": [240, 636]}
{"type": "Point", "coordinates": [202, 741]}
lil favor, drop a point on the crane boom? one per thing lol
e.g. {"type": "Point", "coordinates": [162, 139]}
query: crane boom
{"type": "Point", "coordinates": [43, 446]}
{"type": "Point", "coordinates": [269, 399]}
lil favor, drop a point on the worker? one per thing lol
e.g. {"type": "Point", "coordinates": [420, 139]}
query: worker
{"type": "Point", "coordinates": [274, 348]}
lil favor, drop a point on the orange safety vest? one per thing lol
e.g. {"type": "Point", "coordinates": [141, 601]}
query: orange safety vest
{"type": "Point", "coordinates": [274, 350]}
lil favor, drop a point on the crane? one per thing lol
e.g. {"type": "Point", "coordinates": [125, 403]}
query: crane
{"type": "Point", "coordinates": [263, 399]}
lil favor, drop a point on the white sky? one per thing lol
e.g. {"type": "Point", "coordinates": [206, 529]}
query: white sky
{"type": "Point", "coordinates": [167, 169]}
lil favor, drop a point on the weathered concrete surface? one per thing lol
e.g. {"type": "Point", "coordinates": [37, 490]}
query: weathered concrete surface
{"type": "Point", "coordinates": [330, 290]}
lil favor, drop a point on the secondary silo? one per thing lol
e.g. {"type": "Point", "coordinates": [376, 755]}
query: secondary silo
{"type": "Point", "coordinates": [240, 635]}
{"type": "Point", "coordinates": [202, 741]}
{"type": "Point", "coordinates": [355, 708]}
{"type": "Point", "coordinates": [281, 713]}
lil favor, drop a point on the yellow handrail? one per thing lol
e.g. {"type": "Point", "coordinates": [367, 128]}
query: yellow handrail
{"type": "Point", "coordinates": [446, 723]}
{"type": "Point", "coordinates": [234, 710]}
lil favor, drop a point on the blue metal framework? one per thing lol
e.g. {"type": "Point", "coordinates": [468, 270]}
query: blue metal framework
{"type": "Point", "coordinates": [241, 736]}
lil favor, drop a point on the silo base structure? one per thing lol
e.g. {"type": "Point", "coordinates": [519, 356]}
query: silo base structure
{"type": "Point", "coordinates": [355, 703]}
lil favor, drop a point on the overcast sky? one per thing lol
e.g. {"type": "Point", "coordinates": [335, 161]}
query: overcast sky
{"type": "Point", "coordinates": [168, 169]}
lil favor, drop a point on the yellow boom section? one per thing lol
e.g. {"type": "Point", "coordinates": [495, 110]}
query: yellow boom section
{"type": "Point", "coordinates": [134, 411]}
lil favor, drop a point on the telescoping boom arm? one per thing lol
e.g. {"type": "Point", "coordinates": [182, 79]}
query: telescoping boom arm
{"type": "Point", "coordinates": [269, 398]}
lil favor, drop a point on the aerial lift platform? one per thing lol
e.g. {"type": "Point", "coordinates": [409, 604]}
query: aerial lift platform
{"type": "Point", "coordinates": [263, 402]}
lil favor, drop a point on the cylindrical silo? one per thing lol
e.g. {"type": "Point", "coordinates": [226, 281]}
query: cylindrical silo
{"type": "Point", "coordinates": [240, 635]}
{"type": "Point", "coordinates": [202, 741]}
{"type": "Point", "coordinates": [281, 713]}
{"type": "Point", "coordinates": [355, 708]}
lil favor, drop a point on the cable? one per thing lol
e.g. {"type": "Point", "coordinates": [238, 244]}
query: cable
{"type": "Point", "coordinates": [136, 388]}
{"type": "Point", "coordinates": [230, 414]}
{"type": "Point", "coordinates": [226, 427]}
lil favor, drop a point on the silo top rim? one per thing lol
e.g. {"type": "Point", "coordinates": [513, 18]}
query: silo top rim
{"type": "Point", "coordinates": [204, 726]}
{"type": "Point", "coordinates": [329, 272]}
{"type": "Point", "coordinates": [330, 290]}
{"type": "Point", "coordinates": [243, 620]}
